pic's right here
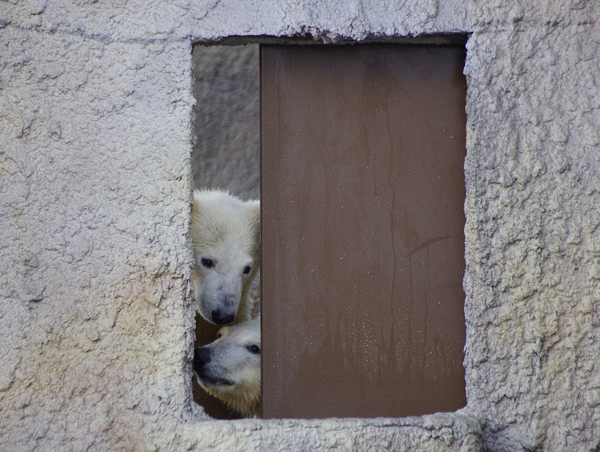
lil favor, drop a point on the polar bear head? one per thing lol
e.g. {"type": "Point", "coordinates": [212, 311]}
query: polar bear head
{"type": "Point", "coordinates": [229, 368]}
{"type": "Point", "coordinates": [226, 245]}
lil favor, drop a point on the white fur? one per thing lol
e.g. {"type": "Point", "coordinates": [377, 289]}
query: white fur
{"type": "Point", "coordinates": [230, 369]}
{"type": "Point", "coordinates": [226, 232]}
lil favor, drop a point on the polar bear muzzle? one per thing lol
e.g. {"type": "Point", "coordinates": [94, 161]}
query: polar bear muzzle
{"type": "Point", "coordinates": [202, 356]}
{"type": "Point", "coordinates": [223, 317]}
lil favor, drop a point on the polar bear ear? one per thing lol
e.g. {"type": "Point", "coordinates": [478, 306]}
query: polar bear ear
{"type": "Point", "coordinates": [196, 206]}
{"type": "Point", "coordinates": [254, 206]}
{"type": "Point", "coordinates": [198, 197]}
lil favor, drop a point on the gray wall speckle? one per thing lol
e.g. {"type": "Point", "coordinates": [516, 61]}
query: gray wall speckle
{"type": "Point", "coordinates": [226, 153]}
{"type": "Point", "coordinates": [532, 236]}
{"type": "Point", "coordinates": [96, 313]}
{"type": "Point", "coordinates": [96, 191]}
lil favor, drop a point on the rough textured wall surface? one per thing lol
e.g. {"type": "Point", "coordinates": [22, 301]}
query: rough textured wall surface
{"type": "Point", "coordinates": [226, 152]}
{"type": "Point", "coordinates": [96, 313]}
{"type": "Point", "coordinates": [95, 199]}
{"type": "Point", "coordinates": [532, 236]}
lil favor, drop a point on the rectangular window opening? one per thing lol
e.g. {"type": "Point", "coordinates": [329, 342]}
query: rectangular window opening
{"type": "Point", "coordinates": [357, 153]}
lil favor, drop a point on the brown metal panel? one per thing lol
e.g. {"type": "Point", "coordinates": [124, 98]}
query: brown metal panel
{"type": "Point", "coordinates": [363, 245]}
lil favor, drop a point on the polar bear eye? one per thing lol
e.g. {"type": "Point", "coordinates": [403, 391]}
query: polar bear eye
{"type": "Point", "coordinates": [254, 349]}
{"type": "Point", "coordinates": [208, 263]}
{"type": "Point", "coordinates": [247, 269]}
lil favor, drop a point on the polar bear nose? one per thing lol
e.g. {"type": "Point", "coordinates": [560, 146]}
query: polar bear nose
{"type": "Point", "coordinates": [201, 357]}
{"type": "Point", "coordinates": [222, 317]}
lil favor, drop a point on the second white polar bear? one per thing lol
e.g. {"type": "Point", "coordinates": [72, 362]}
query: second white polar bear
{"type": "Point", "coordinates": [226, 241]}
{"type": "Point", "coordinates": [230, 368]}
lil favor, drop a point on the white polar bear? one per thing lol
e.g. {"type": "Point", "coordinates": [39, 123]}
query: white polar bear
{"type": "Point", "coordinates": [230, 368]}
{"type": "Point", "coordinates": [226, 243]}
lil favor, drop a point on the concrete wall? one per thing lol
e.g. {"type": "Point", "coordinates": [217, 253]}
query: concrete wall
{"type": "Point", "coordinates": [226, 152]}
{"type": "Point", "coordinates": [96, 313]}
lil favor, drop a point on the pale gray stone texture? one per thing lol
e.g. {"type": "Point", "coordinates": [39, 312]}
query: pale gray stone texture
{"type": "Point", "coordinates": [96, 312]}
{"type": "Point", "coordinates": [95, 190]}
{"type": "Point", "coordinates": [226, 152]}
{"type": "Point", "coordinates": [532, 236]}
